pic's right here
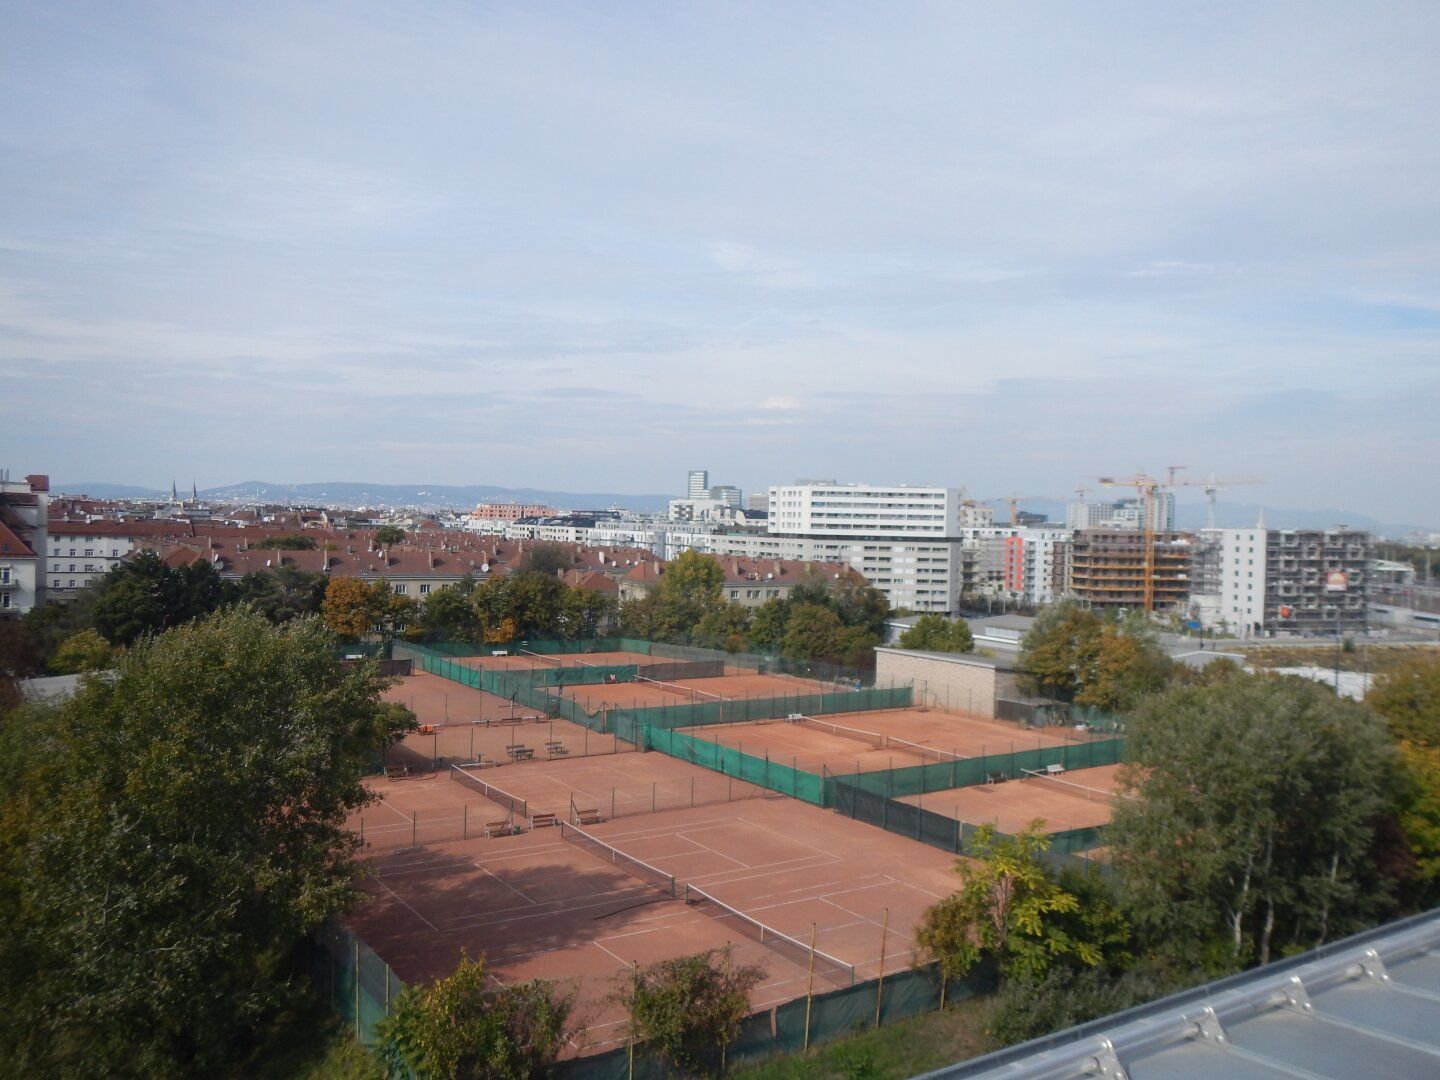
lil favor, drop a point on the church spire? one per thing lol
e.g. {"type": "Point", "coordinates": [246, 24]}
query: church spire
{"type": "Point", "coordinates": [174, 492]}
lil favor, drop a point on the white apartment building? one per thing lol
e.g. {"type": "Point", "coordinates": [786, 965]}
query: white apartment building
{"type": "Point", "coordinates": [23, 517]}
{"type": "Point", "coordinates": [80, 552]}
{"type": "Point", "coordinates": [905, 540]}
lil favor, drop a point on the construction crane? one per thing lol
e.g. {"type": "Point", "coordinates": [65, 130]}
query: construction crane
{"type": "Point", "coordinates": [1212, 486]}
{"type": "Point", "coordinates": [1147, 486]}
{"type": "Point", "coordinates": [1014, 501]}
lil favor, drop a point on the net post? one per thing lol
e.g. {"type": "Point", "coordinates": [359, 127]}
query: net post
{"type": "Point", "coordinates": [810, 989]}
{"type": "Point", "coordinates": [414, 826]}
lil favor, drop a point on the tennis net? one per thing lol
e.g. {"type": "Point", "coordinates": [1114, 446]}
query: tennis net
{"type": "Point", "coordinates": [675, 688]}
{"type": "Point", "coordinates": [926, 753]}
{"type": "Point", "coordinates": [490, 791]}
{"type": "Point", "coordinates": [870, 738]}
{"type": "Point", "coordinates": [836, 971]}
{"type": "Point", "coordinates": [631, 865]}
{"type": "Point", "coordinates": [552, 661]}
{"type": "Point", "coordinates": [1090, 794]}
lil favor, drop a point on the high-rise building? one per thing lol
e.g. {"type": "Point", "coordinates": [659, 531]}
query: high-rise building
{"type": "Point", "coordinates": [699, 484]}
{"type": "Point", "coordinates": [905, 540]}
{"type": "Point", "coordinates": [726, 495]}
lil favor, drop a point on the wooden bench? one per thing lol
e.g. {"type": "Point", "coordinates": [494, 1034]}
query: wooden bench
{"type": "Point", "coordinates": [588, 817]}
{"type": "Point", "coordinates": [996, 778]}
{"type": "Point", "coordinates": [501, 828]}
{"type": "Point", "coordinates": [540, 821]}
{"type": "Point", "coordinates": [1054, 770]}
{"type": "Point", "coordinates": [556, 749]}
{"type": "Point", "coordinates": [518, 752]}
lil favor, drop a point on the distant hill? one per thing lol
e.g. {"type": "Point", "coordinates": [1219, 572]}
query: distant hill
{"type": "Point", "coordinates": [345, 493]}
{"type": "Point", "coordinates": [1191, 516]}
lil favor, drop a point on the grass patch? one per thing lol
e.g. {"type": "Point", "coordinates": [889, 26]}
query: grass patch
{"type": "Point", "coordinates": [889, 1053]}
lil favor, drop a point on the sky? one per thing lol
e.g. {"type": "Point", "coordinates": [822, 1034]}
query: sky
{"type": "Point", "coordinates": [590, 246]}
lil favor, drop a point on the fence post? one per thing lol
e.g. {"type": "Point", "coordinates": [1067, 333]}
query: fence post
{"type": "Point", "coordinates": [356, 955]}
{"type": "Point", "coordinates": [414, 827]}
{"type": "Point", "coordinates": [880, 984]}
{"type": "Point", "coordinates": [465, 821]}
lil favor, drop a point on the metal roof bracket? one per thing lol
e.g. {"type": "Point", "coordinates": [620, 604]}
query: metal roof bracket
{"type": "Point", "coordinates": [1296, 996]}
{"type": "Point", "coordinates": [1209, 1028]}
{"type": "Point", "coordinates": [1106, 1063]}
{"type": "Point", "coordinates": [1372, 967]}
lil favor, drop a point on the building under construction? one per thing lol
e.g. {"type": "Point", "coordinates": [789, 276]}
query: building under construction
{"type": "Point", "coordinates": [1110, 568]}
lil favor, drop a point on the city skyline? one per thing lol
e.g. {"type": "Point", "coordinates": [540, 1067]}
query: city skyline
{"type": "Point", "coordinates": [568, 249]}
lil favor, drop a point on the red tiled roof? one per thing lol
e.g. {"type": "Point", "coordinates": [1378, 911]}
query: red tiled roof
{"type": "Point", "coordinates": [11, 546]}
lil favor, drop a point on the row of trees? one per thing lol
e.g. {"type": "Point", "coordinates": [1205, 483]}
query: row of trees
{"type": "Point", "coordinates": [835, 621]}
{"type": "Point", "coordinates": [1264, 816]}
{"type": "Point", "coordinates": [168, 836]}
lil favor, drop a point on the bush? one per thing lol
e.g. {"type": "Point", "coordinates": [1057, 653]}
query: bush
{"type": "Point", "coordinates": [458, 1029]}
{"type": "Point", "coordinates": [689, 1009]}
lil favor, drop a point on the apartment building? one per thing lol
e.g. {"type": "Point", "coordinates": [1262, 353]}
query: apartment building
{"type": "Point", "coordinates": [1262, 581]}
{"type": "Point", "coordinates": [511, 511]}
{"type": "Point", "coordinates": [1108, 569]}
{"type": "Point", "coordinates": [1036, 563]}
{"type": "Point", "coordinates": [697, 485]}
{"type": "Point", "coordinates": [749, 581]}
{"type": "Point", "coordinates": [23, 520]}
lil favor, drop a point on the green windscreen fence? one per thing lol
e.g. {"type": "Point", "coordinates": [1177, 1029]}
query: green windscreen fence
{"type": "Point", "coordinates": [805, 1022]}
{"type": "Point", "coordinates": [741, 710]}
{"type": "Point", "coordinates": [762, 772]}
{"type": "Point", "coordinates": [966, 772]}
{"type": "Point", "coordinates": [941, 830]}
{"type": "Point", "coordinates": [359, 986]}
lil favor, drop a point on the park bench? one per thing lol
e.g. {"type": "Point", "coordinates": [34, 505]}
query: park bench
{"type": "Point", "coordinates": [519, 752]}
{"type": "Point", "coordinates": [556, 749]}
{"type": "Point", "coordinates": [540, 821]}
{"type": "Point", "coordinates": [1054, 770]}
{"type": "Point", "coordinates": [996, 778]}
{"type": "Point", "coordinates": [501, 828]}
{"type": "Point", "coordinates": [588, 817]}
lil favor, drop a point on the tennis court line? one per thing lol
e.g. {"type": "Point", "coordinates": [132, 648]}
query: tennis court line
{"type": "Point", "coordinates": [402, 900]}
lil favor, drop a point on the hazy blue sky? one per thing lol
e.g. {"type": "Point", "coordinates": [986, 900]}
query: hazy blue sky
{"type": "Point", "coordinates": [1010, 246]}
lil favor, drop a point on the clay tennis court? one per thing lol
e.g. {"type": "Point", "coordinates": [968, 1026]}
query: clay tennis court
{"type": "Point", "coordinates": [1011, 806]}
{"type": "Point", "coordinates": [439, 701]}
{"type": "Point", "coordinates": [738, 682]}
{"type": "Point", "coordinates": [539, 905]}
{"type": "Point", "coordinates": [807, 747]}
{"type": "Point", "coordinates": [593, 697]}
{"type": "Point", "coordinates": [492, 742]}
{"type": "Point", "coordinates": [959, 733]}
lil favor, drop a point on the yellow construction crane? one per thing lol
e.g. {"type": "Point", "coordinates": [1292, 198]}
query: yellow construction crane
{"type": "Point", "coordinates": [1014, 501]}
{"type": "Point", "coordinates": [1147, 486]}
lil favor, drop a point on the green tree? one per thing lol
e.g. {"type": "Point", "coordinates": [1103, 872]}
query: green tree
{"type": "Point", "coordinates": [584, 613]}
{"type": "Point", "coordinates": [283, 593]}
{"type": "Point", "coordinates": [167, 836]}
{"type": "Point", "coordinates": [691, 587]}
{"type": "Point", "coordinates": [548, 558]}
{"type": "Point", "coordinates": [535, 602]}
{"type": "Point", "coordinates": [1256, 806]}
{"type": "Point", "coordinates": [935, 633]}
{"type": "Point", "coordinates": [1073, 654]}
{"type": "Point", "coordinates": [143, 596]}
{"type": "Point", "coordinates": [812, 632]}
{"type": "Point", "coordinates": [724, 627]}
{"type": "Point", "coordinates": [449, 614]}
{"type": "Point", "coordinates": [1007, 910]}
{"type": "Point", "coordinates": [389, 535]}
{"type": "Point", "coordinates": [767, 625]}
{"type": "Point", "coordinates": [286, 543]}
{"type": "Point", "coordinates": [457, 1028]}
{"type": "Point", "coordinates": [85, 651]}
{"type": "Point", "coordinates": [689, 1010]}
{"type": "Point", "coordinates": [1408, 697]}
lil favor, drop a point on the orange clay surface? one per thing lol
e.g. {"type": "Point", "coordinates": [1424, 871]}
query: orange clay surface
{"type": "Point", "coordinates": [539, 906]}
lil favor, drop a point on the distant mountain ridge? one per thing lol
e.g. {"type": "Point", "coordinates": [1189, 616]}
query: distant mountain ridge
{"type": "Point", "coordinates": [346, 493]}
{"type": "Point", "coordinates": [1228, 515]}
{"type": "Point", "coordinates": [1188, 516]}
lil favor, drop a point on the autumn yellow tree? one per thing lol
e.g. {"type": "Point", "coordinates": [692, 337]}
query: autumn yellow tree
{"type": "Point", "coordinates": [349, 607]}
